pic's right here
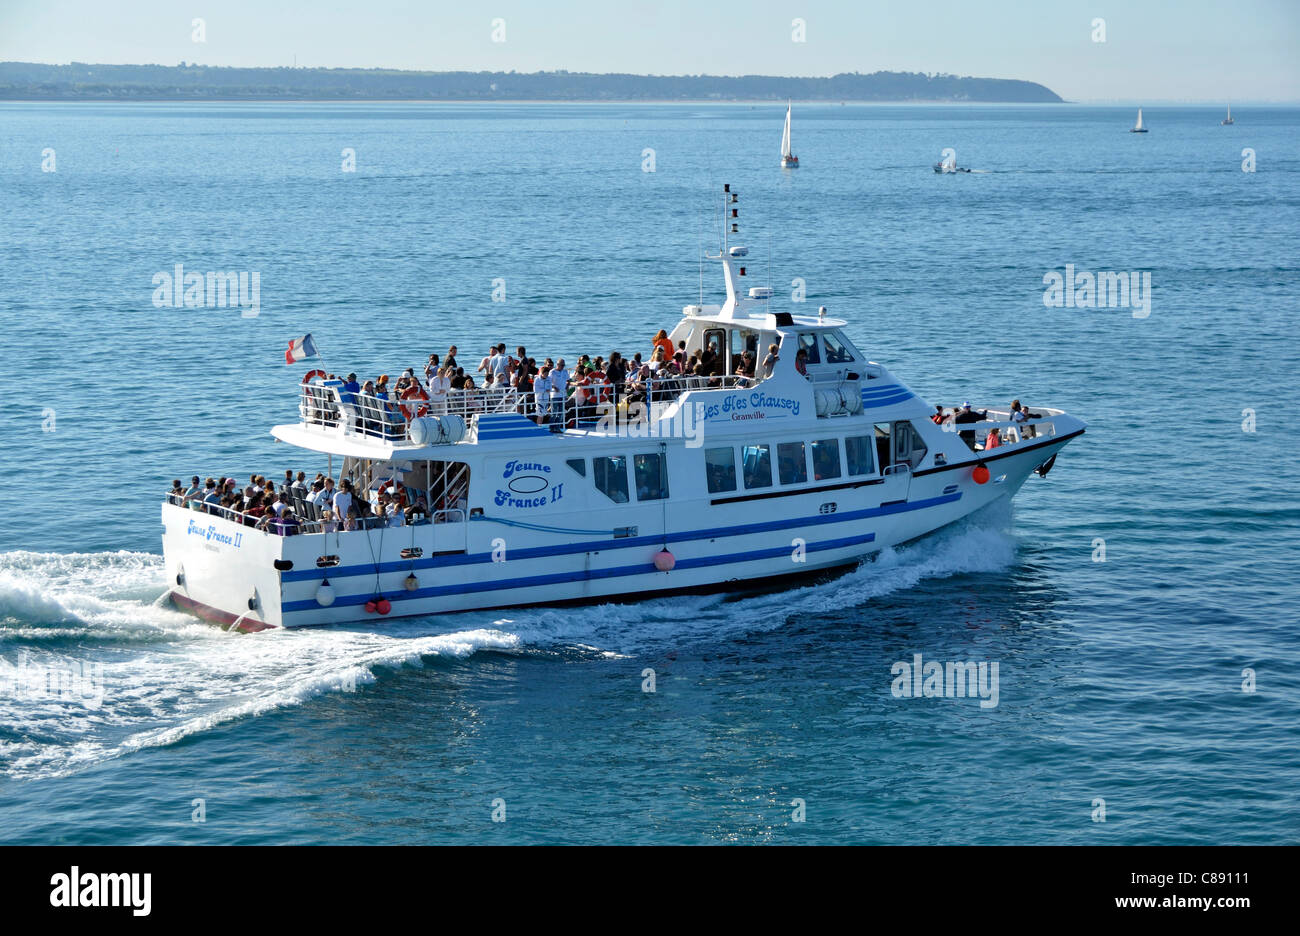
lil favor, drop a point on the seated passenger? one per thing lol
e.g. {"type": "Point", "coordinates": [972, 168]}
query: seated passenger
{"type": "Point", "coordinates": [801, 362]}
{"type": "Point", "coordinates": [286, 524]}
{"type": "Point", "coordinates": [418, 512]}
{"type": "Point", "coordinates": [350, 389]}
{"type": "Point", "coordinates": [993, 440]}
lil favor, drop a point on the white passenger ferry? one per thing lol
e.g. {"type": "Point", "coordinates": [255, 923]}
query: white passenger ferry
{"type": "Point", "coordinates": [723, 481]}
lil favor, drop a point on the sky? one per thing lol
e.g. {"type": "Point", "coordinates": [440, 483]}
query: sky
{"type": "Point", "coordinates": [1155, 51]}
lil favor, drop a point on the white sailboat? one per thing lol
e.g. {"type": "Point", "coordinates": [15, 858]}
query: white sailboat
{"type": "Point", "coordinates": [948, 164]}
{"type": "Point", "coordinates": [788, 159]}
{"type": "Point", "coordinates": [1139, 128]}
{"type": "Point", "coordinates": [1227, 121]}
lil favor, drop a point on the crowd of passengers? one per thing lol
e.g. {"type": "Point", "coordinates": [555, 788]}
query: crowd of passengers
{"type": "Point", "coordinates": [297, 505]}
{"type": "Point", "coordinates": [963, 416]}
{"type": "Point", "coordinates": [558, 394]}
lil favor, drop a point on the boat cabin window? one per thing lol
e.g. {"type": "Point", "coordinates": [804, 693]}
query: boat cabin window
{"type": "Point", "coordinates": [826, 459]}
{"type": "Point", "coordinates": [837, 352]}
{"type": "Point", "coordinates": [792, 465]}
{"type": "Point", "coordinates": [908, 445]}
{"type": "Point", "coordinates": [757, 461]}
{"type": "Point", "coordinates": [720, 469]}
{"type": "Point", "coordinates": [808, 343]}
{"type": "Point", "coordinates": [610, 475]}
{"type": "Point", "coordinates": [578, 464]}
{"type": "Point", "coordinates": [742, 340]}
{"type": "Point", "coordinates": [715, 340]}
{"type": "Point", "coordinates": [884, 435]}
{"type": "Point", "coordinates": [857, 452]}
{"type": "Point", "coordinates": [898, 443]}
{"type": "Point", "coordinates": [651, 473]}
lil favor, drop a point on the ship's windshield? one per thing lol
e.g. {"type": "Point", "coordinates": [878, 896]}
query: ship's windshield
{"type": "Point", "coordinates": [837, 352]}
{"type": "Point", "coordinates": [808, 343]}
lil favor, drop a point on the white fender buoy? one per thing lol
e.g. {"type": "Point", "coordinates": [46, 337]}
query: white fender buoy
{"type": "Point", "coordinates": [665, 561]}
{"type": "Point", "coordinates": [411, 582]}
{"type": "Point", "coordinates": [325, 594]}
{"type": "Point", "coordinates": [453, 428]}
{"type": "Point", "coordinates": [425, 430]}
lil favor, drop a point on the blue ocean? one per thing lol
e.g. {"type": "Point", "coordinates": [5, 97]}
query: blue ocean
{"type": "Point", "coordinates": [1140, 602]}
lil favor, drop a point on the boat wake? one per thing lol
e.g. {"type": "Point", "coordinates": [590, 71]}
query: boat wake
{"type": "Point", "coordinates": [94, 666]}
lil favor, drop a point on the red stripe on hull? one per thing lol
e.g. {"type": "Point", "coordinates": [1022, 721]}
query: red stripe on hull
{"type": "Point", "coordinates": [217, 616]}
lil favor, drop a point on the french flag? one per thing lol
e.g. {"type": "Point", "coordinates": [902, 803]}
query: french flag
{"type": "Point", "coordinates": [299, 349]}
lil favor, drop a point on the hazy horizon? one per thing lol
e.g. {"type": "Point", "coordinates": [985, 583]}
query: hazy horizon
{"type": "Point", "coordinates": [1154, 51]}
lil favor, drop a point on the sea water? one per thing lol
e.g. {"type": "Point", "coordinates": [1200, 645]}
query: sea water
{"type": "Point", "coordinates": [1139, 603]}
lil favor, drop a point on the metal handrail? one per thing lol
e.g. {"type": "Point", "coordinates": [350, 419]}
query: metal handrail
{"type": "Point", "coordinates": [326, 405]}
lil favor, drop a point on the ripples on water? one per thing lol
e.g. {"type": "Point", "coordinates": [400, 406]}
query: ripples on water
{"type": "Point", "coordinates": [1118, 680]}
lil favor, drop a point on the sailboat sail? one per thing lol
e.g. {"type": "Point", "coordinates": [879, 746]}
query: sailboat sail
{"type": "Point", "coordinates": [1139, 123]}
{"type": "Point", "coordinates": [785, 135]}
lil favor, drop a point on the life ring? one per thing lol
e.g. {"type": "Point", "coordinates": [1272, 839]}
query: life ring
{"type": "Point", "coordinates": [315, 373]}
{"type": "Point", "coordinates": [411, 411]}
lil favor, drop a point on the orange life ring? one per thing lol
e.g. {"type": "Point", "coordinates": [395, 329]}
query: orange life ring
{"type": "Point", "coordinates": [415, 393]}
{"type": "Point", "coordinates": [315, 373]}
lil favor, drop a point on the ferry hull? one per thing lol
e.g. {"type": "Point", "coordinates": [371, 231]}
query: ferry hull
{"type": "Point", "coordinates": [240, 577]}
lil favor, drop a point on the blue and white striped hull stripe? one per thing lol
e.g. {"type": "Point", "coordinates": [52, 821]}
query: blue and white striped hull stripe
{"type": "Point", "coordinates": [561, 549]}
{"type": "Point", "coordinates": [887, 395]}
{"type": "Point", "coordinates": [508, 426]}
{"type": "Point", "coordinates": [580, 575]}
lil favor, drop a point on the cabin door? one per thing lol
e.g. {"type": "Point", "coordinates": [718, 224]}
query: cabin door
{"type": "Point", "coordinates": [449, 500]}
{"type": "Point", "coordinates": [892, 454]}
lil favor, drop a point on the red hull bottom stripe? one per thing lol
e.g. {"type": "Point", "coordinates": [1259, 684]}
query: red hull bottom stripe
{"type": "Point", "coordinates": [217, 616]}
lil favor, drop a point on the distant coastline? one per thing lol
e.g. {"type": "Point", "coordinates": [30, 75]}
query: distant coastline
{"type": "Point", "coordinates": [27, 81]}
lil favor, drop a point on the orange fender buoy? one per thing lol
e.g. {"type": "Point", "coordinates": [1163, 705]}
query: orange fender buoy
{"type": "Point", "coordinates": [980, 474]}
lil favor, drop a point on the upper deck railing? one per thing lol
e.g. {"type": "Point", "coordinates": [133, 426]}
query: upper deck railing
{"type": "Point", "coordinates": [309, 518]}
{"type": "Point", "coordinates": [1041, 424]}
{"type": "Point", "coordinates": [581, 407]}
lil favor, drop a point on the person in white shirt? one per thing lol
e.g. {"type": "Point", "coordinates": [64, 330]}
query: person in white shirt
{"type": "Point", "coordinates": [542, 390]}
{"type": "Point", "coordinates": [343, 499]}
{"type": "Point", "coordinates": [439, 387]}
{"type": "Point", "coordinates": [559, 389]}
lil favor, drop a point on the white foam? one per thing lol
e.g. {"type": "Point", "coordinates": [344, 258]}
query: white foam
{"type": "Point", "coordinates": [161, 675]}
